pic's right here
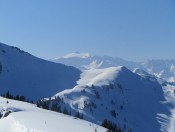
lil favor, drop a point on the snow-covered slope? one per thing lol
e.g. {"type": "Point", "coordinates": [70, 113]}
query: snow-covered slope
{"type": "Point", "coordinates": [28, 118]}
{"type": "Point", "coordinates": [119, 95]}
{"type": "Point", "coordinates": [169, 94]}
{"type": "Point", "coordinates": [24, 74]}
{"type": "Point", "coordinates": [160, 68]}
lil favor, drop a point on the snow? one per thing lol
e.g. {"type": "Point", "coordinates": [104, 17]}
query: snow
{"type": "Point", "coordinates": [24, 74]}
{"type": "Point", "coordinates": [98, 77]}
{"type": "Point", "coordinates": [92, 61]}
{"type": "Point", "coordinates": [143, 100]}
{"type": "Point", "coordinates": [77, 55]}
{"type": "Point", "coordinates": [138, 100]}
{"type": "Point", "coordinates": [141, 72]}
{"type": "Point", "coordinates": [33, 119]}
{"type": "Point", "coordinates": [161, 68]}
{"type": "Point", "coordinates": [172, 69]}
{"type": "Point", "coordinates": [93, 65]}
{"type": "Point", "coordinates": [169, 92]}
{"type": "Point", "coordinates": [171, 79]}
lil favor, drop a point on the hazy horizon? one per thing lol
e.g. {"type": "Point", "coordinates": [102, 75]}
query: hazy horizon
{"type": "Point", "coordinates": [136, 30]}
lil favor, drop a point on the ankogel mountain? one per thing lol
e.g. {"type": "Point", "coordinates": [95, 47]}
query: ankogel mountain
{"type": "Point", "coordinates": [24, 74]}
{"type": "Point", "coordinates": [160, 68]}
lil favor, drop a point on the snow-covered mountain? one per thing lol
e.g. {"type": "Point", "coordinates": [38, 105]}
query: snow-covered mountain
{"type": "Point", "coordinates": [16, 116]}
{"type": "Point", "coordinates": [137, 98]}
{"type": "Point", "coordinates": [131, 100]}
{"type": "Point", "coordinates": [160, 68]}
{"type": "Point", "coordinates": [24, 74]}
{"type": "Point", "coordinates": [85, 61]}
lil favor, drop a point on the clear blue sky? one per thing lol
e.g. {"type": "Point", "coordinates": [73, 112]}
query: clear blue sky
{"type": "Point", "coordinates": [130, 29]}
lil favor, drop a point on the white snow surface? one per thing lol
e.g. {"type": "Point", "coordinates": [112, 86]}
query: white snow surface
{"type": "Point", "coordinates": [161, 68]}
{"type": "Point", "coordinates": [140, 101]}
{"type": "Point", "coordinates": [29, 118]}
{"type": "Point", "coordinates": [98, 77]}
{"type": "Point", "coordinates": [77, 55]}
{"type": "Point", "coordinates": [25, 74]}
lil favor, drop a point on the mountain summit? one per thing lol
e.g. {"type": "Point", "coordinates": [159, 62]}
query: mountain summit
{"type": "Point", "coordinates": [119, 95]}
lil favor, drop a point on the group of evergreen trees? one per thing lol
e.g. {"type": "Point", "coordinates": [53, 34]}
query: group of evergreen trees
{"type": "Point", "coordinates": [112, 127]}
{"type": "Point", "coordinates": [55, 106]}
{"type": "Point", "coordinates": [8, 95]}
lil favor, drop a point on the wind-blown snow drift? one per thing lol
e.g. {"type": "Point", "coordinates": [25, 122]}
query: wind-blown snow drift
{"type": "Point", "coordinates": [29, 118]}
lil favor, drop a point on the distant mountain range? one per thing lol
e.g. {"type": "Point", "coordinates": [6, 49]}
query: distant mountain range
{"type": "Point", "coordinates": [161, 68]}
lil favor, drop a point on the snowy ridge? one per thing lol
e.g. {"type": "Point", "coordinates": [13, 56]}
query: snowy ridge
{"type": "Point", "coordinates": [98, 77]}
{"type": "Point", "coordinates": [127, 99]}
{"type": "Point", "coordinates": [24, 74]}
{"type": "Point", "coordinates": [33, 119]}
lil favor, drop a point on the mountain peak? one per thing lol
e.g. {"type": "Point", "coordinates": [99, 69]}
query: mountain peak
{"type": "Point", "coordinates": [76, 55]}
{"type": "Point", "coordinates": [99, 77]}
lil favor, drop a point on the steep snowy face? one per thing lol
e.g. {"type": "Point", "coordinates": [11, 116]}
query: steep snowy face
{"type": "Point", "coordinates": [24, 74]}
{"type": "Point", "coordinates": [118, 95]}
{"type": "Point", "coordinates": [25, 117]}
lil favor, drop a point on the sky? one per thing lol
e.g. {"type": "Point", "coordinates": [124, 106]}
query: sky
{"type": "Point", "coordinates": [129, 29]}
